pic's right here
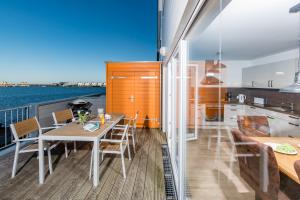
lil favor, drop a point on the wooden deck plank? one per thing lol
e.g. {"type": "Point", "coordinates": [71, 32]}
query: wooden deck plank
{"type": "Point", "coordinates": [122, 189]}
{"type": "Point", "coordinates": [62, 171]}
{"type": "Point", "coordinates": [138, 190]}
{"type": "Point", "coordinates": [150, 175]}
{"type": "Point", "coordinates": [72, 183]}
{"type": "Point", "coordinates": [70, 177]}
{"type": "Point", "coordinates": [159, 184]}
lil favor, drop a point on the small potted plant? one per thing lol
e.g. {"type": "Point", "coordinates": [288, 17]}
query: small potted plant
{"type": "Point", "coordinates": [83, 117]}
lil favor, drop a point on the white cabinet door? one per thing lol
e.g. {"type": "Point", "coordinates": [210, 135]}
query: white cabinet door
{"type": "Point", "coordinates": [254, 77]}
{"type": "Point", "coordinates": [231, 111]}
{"type": "Point", "coordinates": [281, 74]}
{"type": "Point", "coordinates": [274, 75]}
{"type": "Point", "coordinates": [282, 128]}
{"type": "Point", "coordinates": [248, 77]}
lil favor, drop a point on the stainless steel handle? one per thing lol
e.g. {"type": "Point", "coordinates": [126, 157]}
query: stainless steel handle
{"type": "Point", "coordinates": [293, 124]}
{"type": "Point", "coordinates": [270, 83]}
{"type": "Point", "coordinates": [132, 98]}
{"type": "Point", "coordinates": [118, 77]}
{"type": "Point", "coordinates": [293, 117]}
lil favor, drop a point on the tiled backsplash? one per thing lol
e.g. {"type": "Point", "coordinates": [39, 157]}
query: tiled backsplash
{"type": "Point", "coordinates": [272, 97]}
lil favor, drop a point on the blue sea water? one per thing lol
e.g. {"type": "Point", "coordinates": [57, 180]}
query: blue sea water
{"type": "Point", "coordinates": [11, 97]}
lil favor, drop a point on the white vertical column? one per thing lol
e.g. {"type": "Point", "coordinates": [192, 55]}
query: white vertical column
{"type": "Point", "coordinates": [96, 163]}
{"type": "Point", "coordinates": [183, 117]}
{"type": "Point", "coordinates": [41, 161]}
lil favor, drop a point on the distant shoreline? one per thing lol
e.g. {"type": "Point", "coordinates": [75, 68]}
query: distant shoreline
{"type": "Point", "coordinates": [71, 86]}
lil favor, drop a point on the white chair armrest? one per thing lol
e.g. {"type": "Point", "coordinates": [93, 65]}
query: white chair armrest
{"type": "Point", "coordinates": [120, 125]}
{"type": "Point", "coordinates": [26, 139]}
{"type": "Point", "coordinates": [118, 128]}
{"type": "Point", "coordinates": [59, 124]}
{"type": "Point", "coordinates": [111, 140]}
{"type": "Point", "coordinates": [47, 128]}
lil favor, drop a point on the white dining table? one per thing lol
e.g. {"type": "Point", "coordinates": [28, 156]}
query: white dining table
{"type": "Point", "coordinates": [75, 132]}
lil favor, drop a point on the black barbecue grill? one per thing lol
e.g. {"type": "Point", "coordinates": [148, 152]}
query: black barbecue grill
{"type": "Point", "coordinates": [80, 105]}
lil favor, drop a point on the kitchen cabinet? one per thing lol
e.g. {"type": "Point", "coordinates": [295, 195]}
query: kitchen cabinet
{"type": "Point", "coordinates": [271, 76]}
{"type": "Point", "coordinates": [253, 77]}
{"type": "Point", "coordinates": [280, 124]}
{"type": "Point", "coordinates": [231, 111]}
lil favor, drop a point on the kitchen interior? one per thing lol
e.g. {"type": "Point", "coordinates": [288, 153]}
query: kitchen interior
{"type": "Point", "coordinates": [244, 61]}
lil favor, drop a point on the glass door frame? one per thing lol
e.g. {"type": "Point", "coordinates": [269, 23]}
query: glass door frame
{"type": "Point", "coordinates": [178, 168]}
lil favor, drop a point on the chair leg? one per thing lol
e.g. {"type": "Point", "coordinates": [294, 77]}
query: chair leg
{"type": "Point", "coordinates": [75, 149]}
{"type": "Point", "coordinates": [135, 134]}
{"type": "Point", "coordinates": [14, 170]}
{"type": "Point", "coordinates": [133, 140]}
{"type": "Point", "coordinates": [133, 144]}
{"type": "Point", "coordinates": [66, 149]}
{"type": "Point", "coordinates": [91, 165]}
{"type": "Point", "coordinates": [123, 165]}
{"type": "Point", "coordinates": [129, 154]}
{"type": "Point", "coordinates": [50, 161]}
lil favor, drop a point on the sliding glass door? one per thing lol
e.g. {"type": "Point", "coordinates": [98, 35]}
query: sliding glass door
{"type": "Point", "coordinates": [216, 61]}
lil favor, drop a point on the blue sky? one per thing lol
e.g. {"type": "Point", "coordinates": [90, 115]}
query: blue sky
{"type": "Point", "coordinates": [45, 41]}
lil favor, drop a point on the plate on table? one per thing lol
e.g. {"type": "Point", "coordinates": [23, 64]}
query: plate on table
{"type": "Point", "coordinates": [282, 148]}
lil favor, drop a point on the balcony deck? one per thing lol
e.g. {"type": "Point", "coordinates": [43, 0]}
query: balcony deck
{"type": "Point", "coordinates": [69, 180]}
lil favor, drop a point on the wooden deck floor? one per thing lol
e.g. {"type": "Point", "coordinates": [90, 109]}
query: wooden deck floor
{"type": "Point", "coordinates": [144, 180]}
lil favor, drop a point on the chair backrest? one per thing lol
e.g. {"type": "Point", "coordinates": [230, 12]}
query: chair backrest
{"type": "Point", "coordinates": [63, 116]}
{"type": "Point", "coordinates": [297, 168]}
{"type": "Point", "coordinates": [135, 119]}
{"type": "Point", "coordinates": [23, 128]}
{"type": "Point", "coordinates": [258, 166]}
{"type": "Point", "coordinates": [254, 125]}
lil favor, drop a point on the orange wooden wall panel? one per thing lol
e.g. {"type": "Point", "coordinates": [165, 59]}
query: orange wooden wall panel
{"type": "Point", "coordinates": [134, 79]}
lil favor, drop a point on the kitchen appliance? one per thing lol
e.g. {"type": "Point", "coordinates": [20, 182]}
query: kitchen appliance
{"type": "Point", "coordinates": [259, 101]}
{"type": "Point", "coordinates": [241, 98]}
{"type": "Point", "coordinates": [295, 87]}
{"type": "Point", "coordinates": [228, 97]}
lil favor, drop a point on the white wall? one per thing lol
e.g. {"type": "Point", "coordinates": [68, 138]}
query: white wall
{"type": "Point", "coordinates": [232, 74]}
{"type": "Point", "coordinates": [285, 55]}
{"type": "Point", "coordinates": [172, 13]}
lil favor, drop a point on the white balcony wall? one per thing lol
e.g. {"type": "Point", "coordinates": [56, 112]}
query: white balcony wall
{"type": "Point", "coordinates": [172, 11]}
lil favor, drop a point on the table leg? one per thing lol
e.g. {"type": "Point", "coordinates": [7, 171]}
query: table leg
{"type": "Point", "coordinates": [96, 163]}
{"type": "Point", "coordinates": [41, 162]}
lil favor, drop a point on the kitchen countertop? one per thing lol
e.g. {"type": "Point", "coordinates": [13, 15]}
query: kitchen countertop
{"type": "Point", "coordinates": [267, 107]}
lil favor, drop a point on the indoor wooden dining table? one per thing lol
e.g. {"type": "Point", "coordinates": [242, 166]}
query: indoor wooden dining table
{"type": "Point", "coordinates": [285, 162]}
{"type": "Point", "coordinates": [75, 132]}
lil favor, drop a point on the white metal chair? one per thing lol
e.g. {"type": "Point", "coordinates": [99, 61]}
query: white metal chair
{"type": "Point", "coordinates": [61, 118]}
{"type": "Point", "coordinates": [132, 126]}
{"type": "Point", "coordinates": [21, 132]}
{"type": "Point", "coordinates": [114, 146]}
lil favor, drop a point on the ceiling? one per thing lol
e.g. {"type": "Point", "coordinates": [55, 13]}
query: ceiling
{"type": "Point", "coordinates": [249, 29]}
